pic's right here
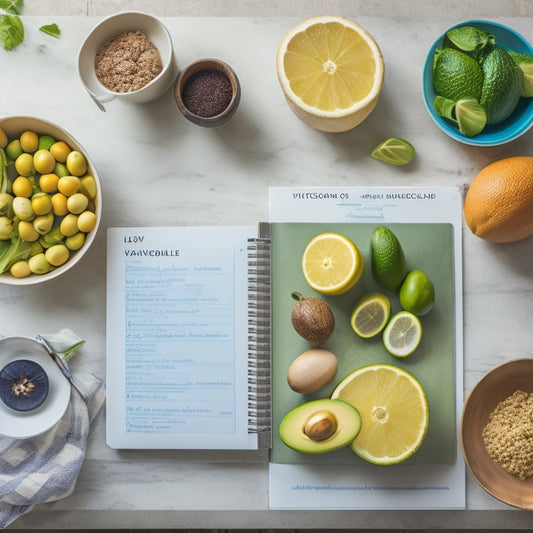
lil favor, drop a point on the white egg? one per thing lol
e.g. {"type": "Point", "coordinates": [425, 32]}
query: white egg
{"type": "Point", "coordinates": [312, 370]}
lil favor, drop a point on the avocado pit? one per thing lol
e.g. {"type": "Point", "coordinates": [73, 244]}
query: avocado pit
{"type": "Point", "coordinates": [321, 425]}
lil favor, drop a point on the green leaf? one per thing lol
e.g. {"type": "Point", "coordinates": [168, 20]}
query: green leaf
{"type": "Point", "coordinates": [469, 38]}
{"type": "Point", "coordinates": [51, 29]}
{"type": "Point", "coordinates": [395, 151]}
{"type": "Point", "coordinates": [13, 251]}
{"type": "Point", "coordinates": [11, 31]}
{"type": "Point", "coordinates": [12, 7]}
{"type": "Point", "coordinates": [444, 107]}
{"type": "Point", "coordinates": [471, 117]}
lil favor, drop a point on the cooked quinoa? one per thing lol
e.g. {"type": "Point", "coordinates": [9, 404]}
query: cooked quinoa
{"type": "Point", "coordinates": [508, 436]}
{"type": "Point", "coordinates": [127, 62]}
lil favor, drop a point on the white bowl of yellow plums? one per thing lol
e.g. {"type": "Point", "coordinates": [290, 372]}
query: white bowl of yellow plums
{"type": "Point", "coordinates": [50, 201]}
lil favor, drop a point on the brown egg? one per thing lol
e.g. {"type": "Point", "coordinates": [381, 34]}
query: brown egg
{"type": "Point", "coordinates": [312, 370]}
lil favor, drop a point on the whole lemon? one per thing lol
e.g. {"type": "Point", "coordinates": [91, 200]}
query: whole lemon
{"type": "Point", "coordinates": [499, 203]}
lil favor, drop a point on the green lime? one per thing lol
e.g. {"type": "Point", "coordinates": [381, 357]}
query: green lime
{"type": "Point", "coordinates": [471, 117]}
{"type": "Point", "coordinates": [417, 293]}
{"type": "Point", "coordinates": [395, 151]}
{"type": "Point", "coordinates": [402, 334]}
{"type": "Point", "coordinates": [45, 141]}
{"type": "Point", "coordinates": [470, 40]}
{"type": "Point", "coordinates": [387, 258]}
{"type": "Point", "coordinates": [502, 84]}
{"type": "Point", "coordinates": [456, 75]}
{"type": "Point", "coordinates": [525, 63]}
{"type": "Point", "coordinates": [370, 314]}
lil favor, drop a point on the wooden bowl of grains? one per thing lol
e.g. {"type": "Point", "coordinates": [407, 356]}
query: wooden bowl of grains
{"type": "Point", "coordinates": [496, 432]}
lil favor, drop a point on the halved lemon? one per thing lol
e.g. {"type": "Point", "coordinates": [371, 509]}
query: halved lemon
{"type": "Point", "coordinates": [331, 71]}
{"type": "Point", "coordinates": [370, 315]}
{"type": "Point", "coordinates": [402, 334]}
{"type": "Point", "coordinates": [332, 263]}
{"type": "Point", "coordinates": [394, 412]}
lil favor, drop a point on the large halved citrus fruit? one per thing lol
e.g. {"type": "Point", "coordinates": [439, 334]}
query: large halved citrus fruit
{"type": "Point", "coordinates": [332, 263]}
{"type": "Point", "coordinates": [393, 409]}
{"type": "Point", "coordinates": [331, 71]}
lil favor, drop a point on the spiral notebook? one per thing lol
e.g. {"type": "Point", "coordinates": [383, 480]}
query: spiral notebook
{"type": "Point", "coordinates": [188, 338]}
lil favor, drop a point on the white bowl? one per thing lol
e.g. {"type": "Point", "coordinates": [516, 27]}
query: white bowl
{"type": "Point", "coordinates": [108, 29]}
{"type": "Point", "coordinates": [13, 127]}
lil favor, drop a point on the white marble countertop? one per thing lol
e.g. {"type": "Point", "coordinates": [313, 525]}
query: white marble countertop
{"type": "Point", "coordinates": [158, 169]}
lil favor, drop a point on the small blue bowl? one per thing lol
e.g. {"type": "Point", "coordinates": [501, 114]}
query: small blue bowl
{"type": "Point", "coordinates": [522, 117]}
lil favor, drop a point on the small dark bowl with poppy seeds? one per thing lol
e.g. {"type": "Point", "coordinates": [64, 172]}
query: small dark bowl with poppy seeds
{"type": "Point", "coordinates": [207, 92]}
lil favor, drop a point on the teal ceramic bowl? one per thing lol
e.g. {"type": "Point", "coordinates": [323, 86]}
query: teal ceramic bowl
{"type": "Point", "coordinates": [522, 117]}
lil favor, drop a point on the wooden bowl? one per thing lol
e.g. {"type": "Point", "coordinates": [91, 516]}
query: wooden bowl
{"type": "Point", "coordinates": [199, 66]}
{"type": "Point", "coordinates": [496, 385]}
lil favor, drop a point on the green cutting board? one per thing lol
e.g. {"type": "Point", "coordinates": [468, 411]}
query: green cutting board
{"type": "Point", "coordinates": [427, 247]}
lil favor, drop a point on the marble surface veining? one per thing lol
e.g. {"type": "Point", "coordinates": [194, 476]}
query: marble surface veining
{"type": "Point", "coordinates": [158, 169]}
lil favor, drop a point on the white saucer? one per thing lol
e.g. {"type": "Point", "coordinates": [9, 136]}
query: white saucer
{"type": "Point", "coordinates": [22, 425]}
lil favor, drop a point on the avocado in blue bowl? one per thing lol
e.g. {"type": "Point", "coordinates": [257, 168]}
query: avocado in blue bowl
{"type": "Point", "coordinates": [520, 120]}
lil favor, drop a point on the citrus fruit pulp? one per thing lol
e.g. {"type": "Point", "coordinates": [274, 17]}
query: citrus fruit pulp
{"type": "Point", "coordinates": [370, 314]}
{"type": "Point", "coordinates": [331, 71]}
{"type": "Point", "coordinates": [394, 412]}
{"type": "Point", "coordinates": [332, 264]}
{"type": "Point", "coordinates": [402, 335]}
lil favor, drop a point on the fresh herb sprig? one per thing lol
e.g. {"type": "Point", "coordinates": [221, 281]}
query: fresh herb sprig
{"type": "Point", "coordinates": [11, 27]}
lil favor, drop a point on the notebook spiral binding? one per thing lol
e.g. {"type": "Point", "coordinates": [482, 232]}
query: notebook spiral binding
{"type": "Point", "coordinates": [259, 336]}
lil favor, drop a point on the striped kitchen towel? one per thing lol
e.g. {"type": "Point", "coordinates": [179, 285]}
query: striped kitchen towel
{"type": "Point", "coordinates": [44, 468]}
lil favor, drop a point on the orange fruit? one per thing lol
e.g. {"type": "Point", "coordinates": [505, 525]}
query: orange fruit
{"type": "Point", "coordinates": [499, 203]}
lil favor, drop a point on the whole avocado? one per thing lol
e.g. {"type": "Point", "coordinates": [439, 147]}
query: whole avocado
{"type": "Point", "coordinates": [312, 318]}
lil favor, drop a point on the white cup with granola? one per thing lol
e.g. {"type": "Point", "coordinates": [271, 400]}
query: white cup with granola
{"type": "Point", "coordinates": [128, 56]}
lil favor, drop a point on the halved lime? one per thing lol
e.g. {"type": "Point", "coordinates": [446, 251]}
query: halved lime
{"type": "Point", "coordinates": [395, 151]}
{"type": "Point", "coordinates": [402, 334]}
{"type": "Point", "coordinates": [471, 117]}
{"type": "Point", "coordinates": [370, 314]}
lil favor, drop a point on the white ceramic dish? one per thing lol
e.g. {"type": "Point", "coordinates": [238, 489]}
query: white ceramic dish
{"type": "Point", "coordinates": [13, 127]}
{"type": "Point", "coordinates": [110, 28]}
{"type": "Point", "coordinates": [23, 425]}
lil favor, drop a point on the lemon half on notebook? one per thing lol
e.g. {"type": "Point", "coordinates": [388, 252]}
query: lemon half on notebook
{"type": "Point", "coordinates": [332, 263]}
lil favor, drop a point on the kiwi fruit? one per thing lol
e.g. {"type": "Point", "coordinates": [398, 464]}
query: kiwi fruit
{"type": "Point", "coordinates": [312, 318]}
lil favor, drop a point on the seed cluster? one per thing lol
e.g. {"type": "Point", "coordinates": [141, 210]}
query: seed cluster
{"type": "Point", "coordinates": [508, 436]}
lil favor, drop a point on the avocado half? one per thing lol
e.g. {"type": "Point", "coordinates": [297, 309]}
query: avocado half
{"type": "Point", "coordinates": [320, 426]}
{"type": "Point", "coordinates": [23, 385]}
